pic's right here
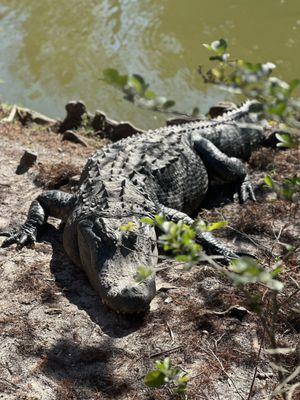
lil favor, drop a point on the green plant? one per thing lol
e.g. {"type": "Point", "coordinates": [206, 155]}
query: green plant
{"type": "Point", "coordinates": [129, 227]}
{"type": "Point", "coordinates": [289, 189]}
{"type": "Point", "coordinates": [246, 270]}
{"type": "Point", "coordinates": [180, 239]}
{"type": "Point", "coordinates": [255, 81]}
{"type": "Point", "coordinates": [285, 140]}
{"type": "Point", "coordinates": [143, 273]}
{"type": "Point", "coordinates": [165, 374]}
{"type": "Point", "coordinates": [136, 90]}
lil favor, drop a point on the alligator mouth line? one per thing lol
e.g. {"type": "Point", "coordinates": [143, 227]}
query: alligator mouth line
{"type": "Point", "coordinates": [123, 313]}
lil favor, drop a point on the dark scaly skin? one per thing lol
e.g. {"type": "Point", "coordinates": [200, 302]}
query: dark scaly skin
{"type": "Point", "coordinates": [162, 171]}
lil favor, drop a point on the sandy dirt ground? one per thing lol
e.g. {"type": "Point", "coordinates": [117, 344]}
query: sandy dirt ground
{"type": "Point", "coordinates": [59, 342]}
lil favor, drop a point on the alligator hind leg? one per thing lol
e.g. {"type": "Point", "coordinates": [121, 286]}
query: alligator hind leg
{"type": "Point", "coordinates": [52, 203]}
{"type": "Point", "coordinates": [206, 239]}
{"type": "Point", "coordinates": [228, 169]}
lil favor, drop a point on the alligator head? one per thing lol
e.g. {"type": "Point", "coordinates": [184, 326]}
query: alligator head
{"type": "Point", "coordinates": [111, 258]}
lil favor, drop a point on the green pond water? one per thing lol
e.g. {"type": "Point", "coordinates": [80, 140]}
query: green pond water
{"type": "Point", "coordinates": [53, 51]}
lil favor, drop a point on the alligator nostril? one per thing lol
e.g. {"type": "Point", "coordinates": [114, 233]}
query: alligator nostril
{"type": "Point", "coordinates": [132, 291]}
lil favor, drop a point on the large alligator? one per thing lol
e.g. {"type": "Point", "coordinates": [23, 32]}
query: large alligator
{"type": "Point", "coordinates": [167, 171]}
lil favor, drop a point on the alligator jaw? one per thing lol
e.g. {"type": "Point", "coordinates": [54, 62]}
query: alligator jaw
{"type": "Point", "coordinates": [131, 298]}
{"type": "Point", "coordinates": [117, 284]}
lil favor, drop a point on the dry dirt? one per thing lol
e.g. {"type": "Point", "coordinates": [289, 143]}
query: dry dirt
{"type": "Point", "coordinates": [59, 342]}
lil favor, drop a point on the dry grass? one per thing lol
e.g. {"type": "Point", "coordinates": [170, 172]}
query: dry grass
{"type": "Point", "coordinates": [35, 285]}
{"type": "Point", "coordinates": [53, 176]}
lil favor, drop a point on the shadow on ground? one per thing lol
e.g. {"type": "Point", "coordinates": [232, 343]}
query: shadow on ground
{"type": "Point", "coordinates": [86, 367]}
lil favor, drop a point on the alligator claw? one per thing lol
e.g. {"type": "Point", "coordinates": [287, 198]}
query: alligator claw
{"type": "Point", "coordinates": [245, 254]}
{"type": "Point", "coordinates": [246, 192]}
{"type": "Point", "coordinates": [23, 237]}
{"type": "Point", "coordinates": [5, 233]}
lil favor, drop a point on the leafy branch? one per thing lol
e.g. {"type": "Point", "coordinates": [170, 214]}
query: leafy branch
{"type": "Point", "coordinates": [255, 81]}
{"type": "Point", "coordinates": [180, 239]}
{"type": "Point", "coordinates": [136, 90]}
{"type": "Point", "coordinates": [165, 374]}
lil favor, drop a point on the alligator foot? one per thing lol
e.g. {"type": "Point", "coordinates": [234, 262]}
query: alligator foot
{"type": "Point", "coordinates": [25, 236]}
{"type": "Point", "coordinates": [245, 191]}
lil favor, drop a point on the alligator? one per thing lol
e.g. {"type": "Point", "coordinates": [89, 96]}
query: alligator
{"type": "Point", "coordinates": [168, 171]}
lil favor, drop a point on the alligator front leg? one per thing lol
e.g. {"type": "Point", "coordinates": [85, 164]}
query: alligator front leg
{"type": "Point", "coordinates": [228, 169]}
{"type": "Point", "coordinates": [50, 203]}
{"type": "Point", "coordinates": [206, 239]}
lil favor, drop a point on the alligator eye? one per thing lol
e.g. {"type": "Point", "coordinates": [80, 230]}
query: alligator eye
{"type": "Point", "coordinates": [103, 232]}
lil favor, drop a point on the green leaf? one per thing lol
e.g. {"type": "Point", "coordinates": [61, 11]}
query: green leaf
{"type": "Point", "coordinates": [154, 379]}
{"type": "Point", "coordinates": [287, 192]}
{"type": "Point", "coordinates": [159, 219]}
{"type": "Point", "coordinates": [168, 104]}
{"type": "Point", "coordinates": [293, 84]}
{"type": "Point", "coordinates": [217, 225]}
{"type": "Point", "coordinates": [269, 182]}
{"type": "Point", "coordinates": [275, 284]}
{"type": "Point", "coordinates": [218, 46]}
{"type": "Point", "coordinates": [181, 384]}
{"type": "Point", "coordinates": [195, 112]}
{"type": "Point", "coordinates": [216, 74]}
{"type": "Point", "coordinates": [149, 95]}
{"type": "Point", "coordinates": [278, 108]}
{"type": "Point", "coordinates": [141, 80]}
{"type": "Point", "coordinates": [167, 364]}
{"type": "Point", "coordinates": [201, 225]}
{"type": "Point", "coordinates": [135, 84]}
{"type": "Point", "coordinates": [112, 76]}
{"type": "Point", "coordinates": [247, 270]}
{"type": "Point", "coordinates": [285, 140]}
{"type": "Point", "coordinates": [129, 227]}
{"type": "Point", "coordinates": [208, 46]}
{"type": "Point", "coordinates": [142, 273]}
{"type": "Point", "coordinates": [245, 264]}
{"type": "Point", "coordinates": [147, 220]}
{"type": "Point", "coordinates": [183, 258]}
{"type": "Point", "coordinates": [275, 272]}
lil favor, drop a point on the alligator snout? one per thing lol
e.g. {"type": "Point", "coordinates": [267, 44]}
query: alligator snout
{"type": "Point", "coordinates": [135, 298]}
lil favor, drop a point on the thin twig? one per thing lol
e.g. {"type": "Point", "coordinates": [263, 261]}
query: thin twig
{"type": "Point", "coordinates": [225, 373]}
{"type": "Point", "coordinates": [256, 366]}
{"type": "Point", "coordinates": [10, 383]}
{"type": "Point", "coordinates": [165, 351]}
{"type": "Point", "coordinates": [289, 297]}
{"type": "Point", "coordinates": [258, 245]}
{"type": "Point", "coordinates": [170, 332]}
